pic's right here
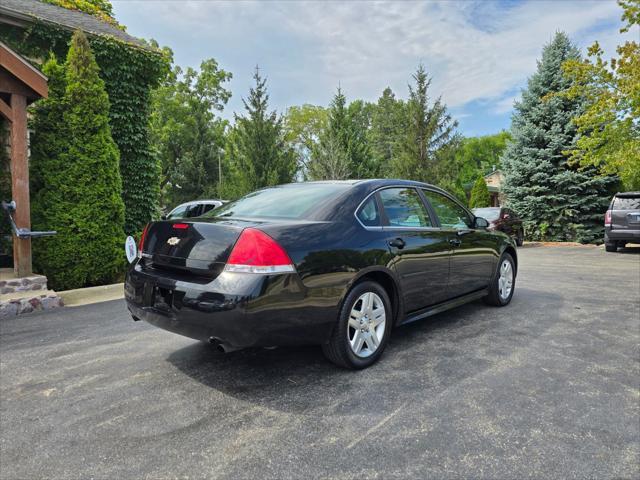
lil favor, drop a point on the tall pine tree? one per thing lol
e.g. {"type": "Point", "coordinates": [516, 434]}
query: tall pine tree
{"type": "Point", "coordinates": [258, 154]}
{"type": "Point", "coordinates": [344, 139]}
{"type": "Point", "coordinates": [78, 181]}
{"type": "Point", "coordinates": [429, 134]}
{"type": "Point", "coordinates": [557, 200]}
{"type": "Point", "coordinates": [387, 124]}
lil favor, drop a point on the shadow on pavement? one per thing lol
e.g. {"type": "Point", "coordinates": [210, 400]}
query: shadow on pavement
{"type": "Point", "coordinates": [421, 358]}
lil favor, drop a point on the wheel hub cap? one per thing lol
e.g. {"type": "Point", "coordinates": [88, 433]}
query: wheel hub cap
{"type": "Point", "coordinates": [505, 280]}
{"type": "Point", "coordinates": [367, 323]}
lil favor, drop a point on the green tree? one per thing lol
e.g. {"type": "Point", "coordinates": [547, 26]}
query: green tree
{"type": "Point", "coordinates": [187, 133]}
{"type": "Point", "coordinates": [387, 124]}
{"type": "Point", "coordinates": [429, 132]}
{"type": "Point", "coordinates": [478, 156]}
{"type": "Point", "coordinates": [480, 194]}
{"type": "Point", "coordinates": [303, 126]}
{"type": "Point", "coordinates": [258, 154]}
{"type": "Point", "coordinates": [609, 126]}
{"type": "Point", "coordinates": [79, 184]}
{"type": "Point", "coordinates": [556, 200]}
{"type": "Point", "coordinates": [343, 145]}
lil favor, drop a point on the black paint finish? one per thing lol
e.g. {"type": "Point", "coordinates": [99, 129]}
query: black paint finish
{"type": "Point", "coordinates": [184, 289]}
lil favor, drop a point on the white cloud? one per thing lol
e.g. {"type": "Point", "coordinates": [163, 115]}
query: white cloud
{"type": "Point", "coordinates": [475, 50]}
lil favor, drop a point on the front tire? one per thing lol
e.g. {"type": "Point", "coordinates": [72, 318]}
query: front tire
{"type": "Point", "coordinates": [611, 247]}
{"type": "Point", "coordinates": [503, 282]}
{"type": "Point", "coordinates": [363, 328]}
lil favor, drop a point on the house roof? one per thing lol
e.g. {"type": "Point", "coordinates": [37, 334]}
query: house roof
{"type": "Point", "coordinates": [24, 12]}
{"type": "Point", "coordinates": [23, 71]}
{"type": "Point", "coordinates": [495, 172]}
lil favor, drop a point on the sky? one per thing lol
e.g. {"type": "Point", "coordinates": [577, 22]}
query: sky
{"type": "Point", "coordinates": [479, 54]}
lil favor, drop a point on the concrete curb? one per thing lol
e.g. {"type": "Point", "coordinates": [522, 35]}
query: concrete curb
{"type": "Point", "coordinates": [86, 296]}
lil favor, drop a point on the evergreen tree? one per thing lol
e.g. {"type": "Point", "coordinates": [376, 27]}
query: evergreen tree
{"type": "Point", "coordinates": [387, 124]}
{"type": "Point", "coordinates": [429, 131]}
{"type": "Point", "coordinates": [257, 151]}
{"type": "Point", "coordinates": [480, 194]}
{"type": "Point", "coordinates": [557, 200]}
{"type": "Point", "coordinates": [79, 184]}
{"type": "Point", "coordinates": [344, 138]}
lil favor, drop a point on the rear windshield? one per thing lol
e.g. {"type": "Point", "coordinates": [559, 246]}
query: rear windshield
{"type": "Point", "coordinates": [626, 203]}
{"type": "Point", "coordinates": [290, 201]}
{"type": "Point", "coordinates": [487, 213]}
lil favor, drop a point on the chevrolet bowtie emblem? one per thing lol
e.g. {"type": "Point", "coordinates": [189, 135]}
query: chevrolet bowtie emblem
{"type": "Point", "coordinates": [173, 241]}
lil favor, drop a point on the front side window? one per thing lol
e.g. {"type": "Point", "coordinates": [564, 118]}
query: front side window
{"type": "Point", "coordinates": [404, 208]}
{"type": "Point", "coordinates": [368, 214]}
{"type": "Point", "coordinates": [450, 214]}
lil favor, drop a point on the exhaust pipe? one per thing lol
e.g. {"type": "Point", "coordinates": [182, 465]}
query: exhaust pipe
{"type": "Point", "coordinates": [223, 347]}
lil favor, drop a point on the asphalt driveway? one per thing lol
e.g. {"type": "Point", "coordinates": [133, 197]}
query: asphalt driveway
{"type": "Point", "coordinates": [548, 387]}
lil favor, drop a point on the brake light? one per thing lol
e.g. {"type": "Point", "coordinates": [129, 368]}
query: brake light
{"type": "Point", "coordinates": [257, 252]}
{"type": "Point", "coordinates": [143, 237]}
{"type": "Point", "coordinates": [607, 218]}
{"type": "Point", "coordinates": [181, 226]}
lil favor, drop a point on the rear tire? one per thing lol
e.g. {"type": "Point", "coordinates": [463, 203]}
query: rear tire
{"type": "Point", "coordinates": [503, 283]}
{"type": "Point", "coordinates": [367, 307]}
{"type": "Point", "coordinates": [610, 247]}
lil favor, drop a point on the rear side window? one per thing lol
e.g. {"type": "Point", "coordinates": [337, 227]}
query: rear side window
{"type": "Point", "coordinates": [404, 208]}
{"type": "Point", "coordinates": [450, 214]}
{"type": "Point", "coordinates": [178, 213]}
{"type": "Point", "coordinates": [369, 215]}
{"type": "Point", "coordinates": [626, 203]}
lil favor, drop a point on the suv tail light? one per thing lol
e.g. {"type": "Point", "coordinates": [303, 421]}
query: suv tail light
{"type": "Point", "coordinates": [607, 218]}
{"type": "Point", "coordinates": [143, 236]}
{"type": "Point", "coordinates": [257, 252]}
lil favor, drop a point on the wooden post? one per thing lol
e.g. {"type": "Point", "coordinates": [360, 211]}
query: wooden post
{"type": "Point", "coordinates": [20, 184]}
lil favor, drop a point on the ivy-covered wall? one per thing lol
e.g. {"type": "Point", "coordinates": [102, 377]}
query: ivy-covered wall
{"type": "Point", "coordinates": [130, 73]}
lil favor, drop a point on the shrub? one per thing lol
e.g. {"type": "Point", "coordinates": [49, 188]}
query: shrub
{"type": "Point", "coordinates": [76, 164]}
{"type": "Point", "coordinates": [480, 194]}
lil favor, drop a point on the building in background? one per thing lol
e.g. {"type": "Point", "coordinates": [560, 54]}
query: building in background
{"type": "Point", "coordinates": [494, 183]}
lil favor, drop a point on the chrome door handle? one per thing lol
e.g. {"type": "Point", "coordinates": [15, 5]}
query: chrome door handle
{"type": "Point", "coordinates": [456, 242]}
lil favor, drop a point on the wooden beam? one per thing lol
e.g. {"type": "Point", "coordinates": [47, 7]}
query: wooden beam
{"type": "Point", "coordinates": [6, 110]}
{"type": "Point", "coordinates": [24, 71]}
{"type": "Point", "coordinates": [20, 184]}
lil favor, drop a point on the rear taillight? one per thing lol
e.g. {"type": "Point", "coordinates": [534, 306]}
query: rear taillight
{"type": "Point", "coordinates": [180, 226]}
{"type": "Point", "coordinates": [607, 218]}
{"type": "Point", "coordinates": [143, 236]}
{"type": "Point", "coordinates": [257, 252]}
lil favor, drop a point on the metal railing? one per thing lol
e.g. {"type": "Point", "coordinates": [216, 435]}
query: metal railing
{"type": "Point", "coordinates": [23, 233]}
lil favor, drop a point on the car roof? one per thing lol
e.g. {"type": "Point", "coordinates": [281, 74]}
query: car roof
{"type": "Point", "coordinates": [627, 194]}
{"type": "Point", "coordinates": [376, 182]}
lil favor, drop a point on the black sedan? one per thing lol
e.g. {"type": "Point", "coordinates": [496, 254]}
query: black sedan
{"type": "Point", "coordinates": [332, 263]}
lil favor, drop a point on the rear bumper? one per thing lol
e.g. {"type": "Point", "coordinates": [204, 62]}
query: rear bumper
{"type": "Point", "coordinates": [241, 310]}
{"type": "Point", "coordinates": [626, 235]}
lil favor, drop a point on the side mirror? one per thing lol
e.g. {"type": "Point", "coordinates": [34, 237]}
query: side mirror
{"type": "Point", "coordinates": [480, 222]}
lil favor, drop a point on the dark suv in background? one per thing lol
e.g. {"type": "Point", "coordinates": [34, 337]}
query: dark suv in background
{"type": "Point", "coordinates": [622, 221]}
{"type": "Point", "coordinates": [504, 220]}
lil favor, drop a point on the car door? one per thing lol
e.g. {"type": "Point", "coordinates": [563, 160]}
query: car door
{"type": "Point", "coordinates": [420, 250]}
{"type": "Point", "coordinates": [473, 257]}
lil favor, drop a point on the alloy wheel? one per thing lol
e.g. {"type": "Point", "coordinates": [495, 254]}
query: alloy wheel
{"type": "Point", "coordinates": [367, 324]}
{"type": "Point", "coordinates": [505, 280]}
